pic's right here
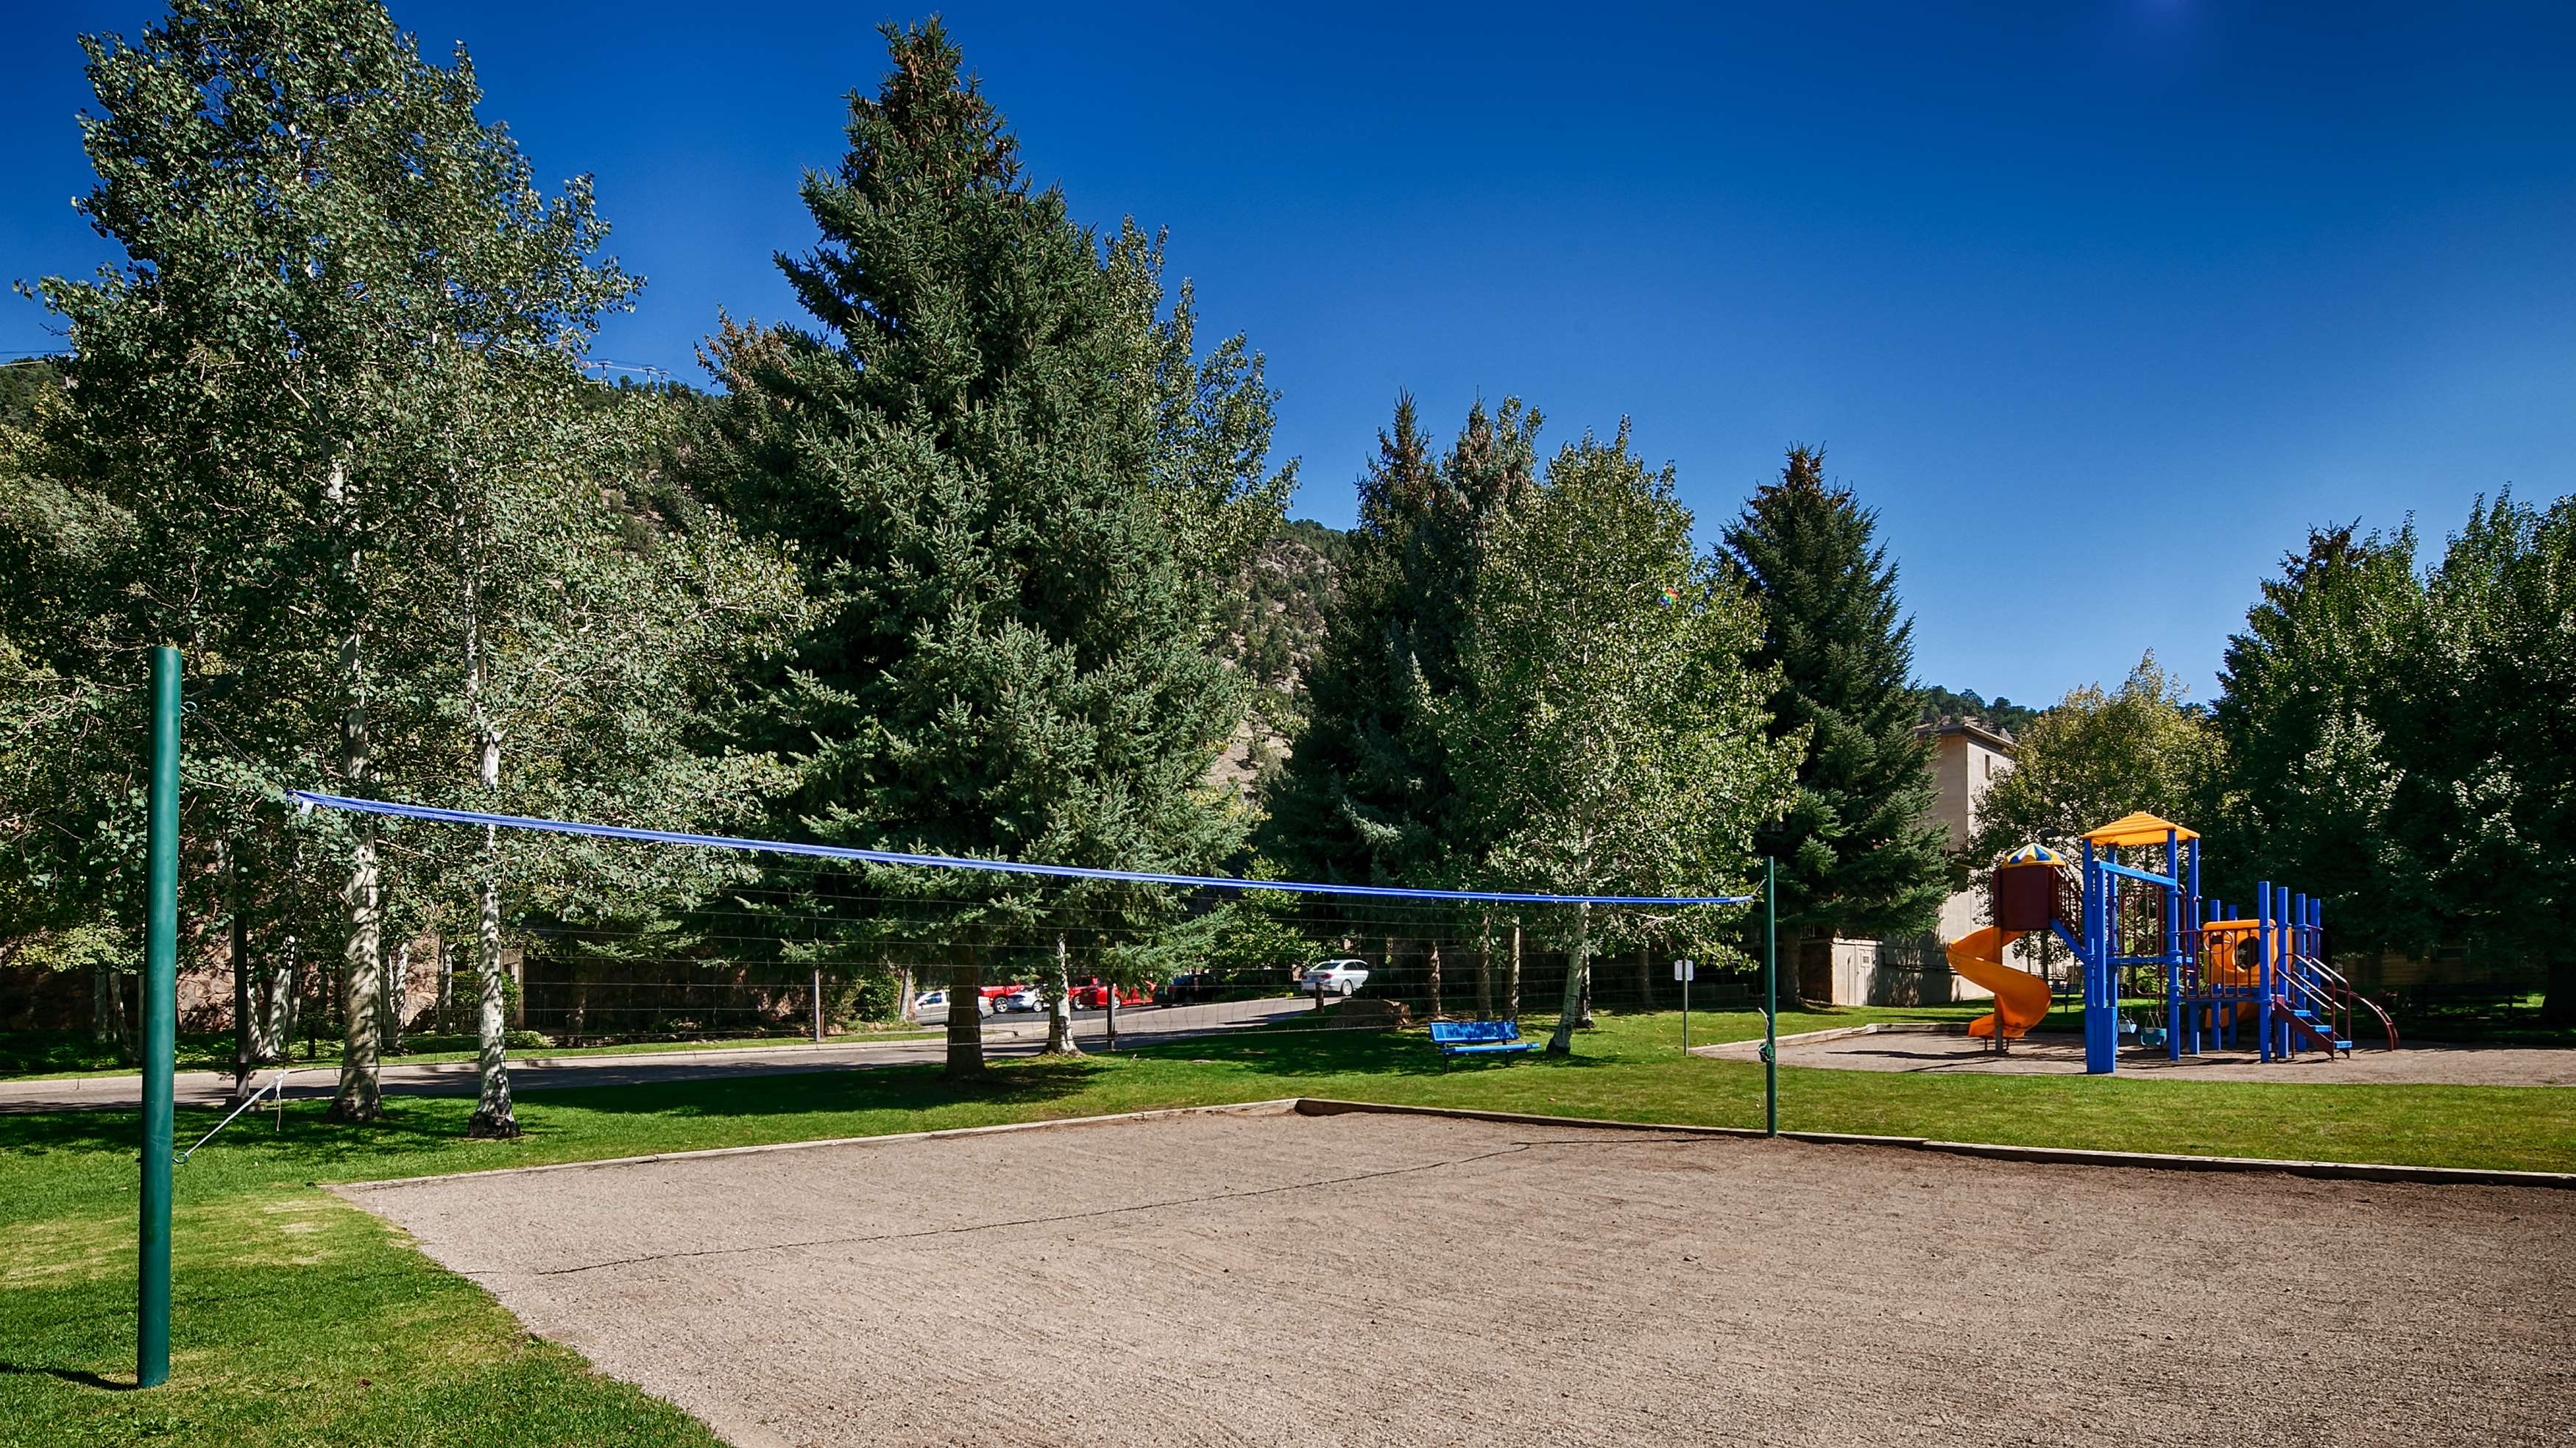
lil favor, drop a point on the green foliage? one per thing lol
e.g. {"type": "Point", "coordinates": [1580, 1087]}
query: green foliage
{"type": "Point", "coordinates": [1367, 796]}
{"type": "Point", "coordinates": [1253, 939]}
{"type": "Point", "coordinates": [2309, 691]}
{"type": "Point", "coordinates": [2399, 738]}
{"type": "Point", "coordinates": [2094, 757]}
{"type": "Point", "coordinates": [2490, 742]}
{"type": "Point", "coordinates": [1610, 736]}
{"type": "Point", "coordinates": [1861, 852]}
{"type": "Point", "coordinates": [1014, 495]}
{"type": "Point", "coordinates": [327, 429]}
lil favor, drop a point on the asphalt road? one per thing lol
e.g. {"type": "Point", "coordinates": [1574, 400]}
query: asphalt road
{"type": "Point", "coordinates": [1004, 1035]}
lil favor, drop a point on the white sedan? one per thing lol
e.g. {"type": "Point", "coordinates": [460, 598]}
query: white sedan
{"type": "Point", "coordinates": [1333, 977]}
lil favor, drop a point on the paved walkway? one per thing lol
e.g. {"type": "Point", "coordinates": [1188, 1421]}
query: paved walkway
{"type": "Point", "coordinates": [1951, 1053]}
{"type": "Point", "coordinates": [1003, 1036]}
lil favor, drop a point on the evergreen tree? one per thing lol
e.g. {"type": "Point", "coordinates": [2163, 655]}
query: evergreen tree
{"type": "Point", "coordinates": [1366, 796]}
{"type": "Point", "coordinates": [1010, 654]}
{"type": "Point", "coordinates": [1862, 854]}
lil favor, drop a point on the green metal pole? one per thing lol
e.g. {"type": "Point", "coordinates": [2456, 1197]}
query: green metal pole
{"type": "Point", "coordinates": [160, 1026]}
{"type": "Point", "coordinates": [1770, 997]}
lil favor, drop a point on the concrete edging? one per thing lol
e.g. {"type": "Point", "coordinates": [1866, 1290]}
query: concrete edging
{"type": "Point", "coordinates": [1278, 1104]}
{"type": "Point", "coordinates": [1328, 1106]}
{"type": "Point", "coordinates": [2046, 1155]}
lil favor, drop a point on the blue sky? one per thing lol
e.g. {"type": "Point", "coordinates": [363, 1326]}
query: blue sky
{"type": "Point", "coordinates": [2101, 304]}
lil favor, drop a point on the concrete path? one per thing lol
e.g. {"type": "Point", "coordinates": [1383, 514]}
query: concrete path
{"type": "Point", "coordinates": [1023, 1035]}
{"type": "Point", "coordinates": [1950, 1053]}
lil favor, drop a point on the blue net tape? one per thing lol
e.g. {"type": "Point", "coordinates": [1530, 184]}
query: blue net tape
{"type": "Point", "coordinates": [954, 862]}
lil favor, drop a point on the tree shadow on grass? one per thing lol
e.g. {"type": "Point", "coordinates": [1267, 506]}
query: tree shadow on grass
{"type": "Point", "coordinates": [414, 1122]}
{"type": "Point", "coordinates": [427, 1133]}
{"type": "Point", "coordinates": [1292, 1054]}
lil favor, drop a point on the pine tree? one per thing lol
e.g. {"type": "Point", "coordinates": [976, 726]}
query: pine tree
{"type": "Point", "coordinates": [1861, 852]}
{"type": "Point", "coordinates": [1366, 795]}
{"type": "Point", "coordinates": [1011, 652]}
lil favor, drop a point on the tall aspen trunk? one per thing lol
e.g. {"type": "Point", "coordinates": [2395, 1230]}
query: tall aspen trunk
{"type": "Point", "coordinates": [577, 1014]}
{"type": "Point", "coordinates": [1512, 982]}
{"type": "Point", "coordinates": [1435, 980]}
{"type": "Point", "coordinates": [119, 1028]}
{"type": "Point", "coordinates": [397, 999]}
{"type": "Point", "coordinates": [1578, 985]}
{"type": "Point", "coordinates": [1485, 966]}
{"type": "Point", "coordinates": [493, 1118]}
{"type": "Point", "coordinates": [245, 1025]}
{"type": "Point", "coordinates": [102, 1005]}
{"type": "Point", "coordinates": [446, 979]}
{"type": "Point", "coordinates": [360, 1097]}
{"type": "Point", "coordinates": [1645, 980]}
{"type": "Point", "coordinates": [966, 1015]}
{"type": "Point", "coordinates": [1060, 1041]}
{"type": "Point", "coordinates": [286, 989]}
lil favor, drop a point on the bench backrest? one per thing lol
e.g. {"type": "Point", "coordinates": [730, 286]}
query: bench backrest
{"type": "Point", "coordinates": [1460, 1033]}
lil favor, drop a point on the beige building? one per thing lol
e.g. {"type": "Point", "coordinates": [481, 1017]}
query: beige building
{"type": "Point", "coordinates": [1968, 756]}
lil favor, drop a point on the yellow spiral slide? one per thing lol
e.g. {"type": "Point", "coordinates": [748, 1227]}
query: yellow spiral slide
{"type": "Point", "coordinates": [2021, 998]}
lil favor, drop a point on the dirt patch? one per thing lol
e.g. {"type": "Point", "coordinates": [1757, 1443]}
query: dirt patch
{"type": "Point", "coordinates": [2056, 1056]}
{"type": "Point", "coordinates": [1277, 1279]}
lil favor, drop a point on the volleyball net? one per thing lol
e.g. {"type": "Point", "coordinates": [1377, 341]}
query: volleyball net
{"type": "Point", "coordinates": [620, 933]}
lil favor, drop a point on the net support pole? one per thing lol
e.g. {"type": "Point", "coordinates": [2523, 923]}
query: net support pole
{"type": "Point", "coordinates": [160, 1027]}
{"type": "Point", "coordinates": [1770, 996]}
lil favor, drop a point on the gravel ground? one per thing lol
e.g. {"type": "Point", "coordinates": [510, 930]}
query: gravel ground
{"type": "Point", "coordinates": [2062, 1055]}
{"type": "Point", "coordinates": [1265, 1278]}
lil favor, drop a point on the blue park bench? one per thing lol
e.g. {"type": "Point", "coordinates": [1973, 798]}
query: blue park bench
{"type": "Point", "coordinates": [1478, 1038]}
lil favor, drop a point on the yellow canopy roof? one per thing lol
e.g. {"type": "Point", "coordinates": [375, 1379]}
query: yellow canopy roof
{"type": "Point", "coordinates": [2140, 828]}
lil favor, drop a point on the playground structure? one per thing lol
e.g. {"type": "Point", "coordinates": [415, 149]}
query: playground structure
{"type": "Point", "coordinates": [2138, 931]}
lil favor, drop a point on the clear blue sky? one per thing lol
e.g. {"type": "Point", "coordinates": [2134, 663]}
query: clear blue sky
{"type": "Point", "coordinates": [2101, 303]}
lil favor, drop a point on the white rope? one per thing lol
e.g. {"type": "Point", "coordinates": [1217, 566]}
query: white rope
{"type": "Point", "coordinates": [276, 1084]}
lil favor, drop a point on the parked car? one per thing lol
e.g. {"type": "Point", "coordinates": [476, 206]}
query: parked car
{"type": "Point", "coordinates": [1194, 988]}
{"type": "Point", "coordinates": [1026, 998]}
{"type": "Point", "coordinates": [1333, 977]}
{"type": "Point", "coordinates": [930, 1000]}
{"type": "Point", "coordinates": [991, 995]}
{"type": "Point", "coordinates": [1094, 995]}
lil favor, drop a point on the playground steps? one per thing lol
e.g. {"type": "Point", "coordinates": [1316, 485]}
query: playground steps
{"type": "Point", "coordinates": [2305, 1021]}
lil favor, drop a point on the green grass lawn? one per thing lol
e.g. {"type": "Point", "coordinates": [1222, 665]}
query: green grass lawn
{"type": "Point", "coordinates": [300, 1319]}
{"type": "Point", "coordinates": [54, 1055]}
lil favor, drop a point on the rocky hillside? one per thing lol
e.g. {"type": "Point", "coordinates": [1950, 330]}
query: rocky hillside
{"type": "Point", "coordinates": [1274, 623]}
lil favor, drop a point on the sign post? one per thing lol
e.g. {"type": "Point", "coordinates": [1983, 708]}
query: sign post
{"type": "Point", "coordinates": [1685, 972]}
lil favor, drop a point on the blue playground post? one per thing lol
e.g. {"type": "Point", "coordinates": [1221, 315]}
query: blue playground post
{"type": "Point", "coordinates": [2266, 954]}
{"type": "Point", "coordinates": [2173, 948]}
{"type": "Point", "coordinates": [2101, 994]}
